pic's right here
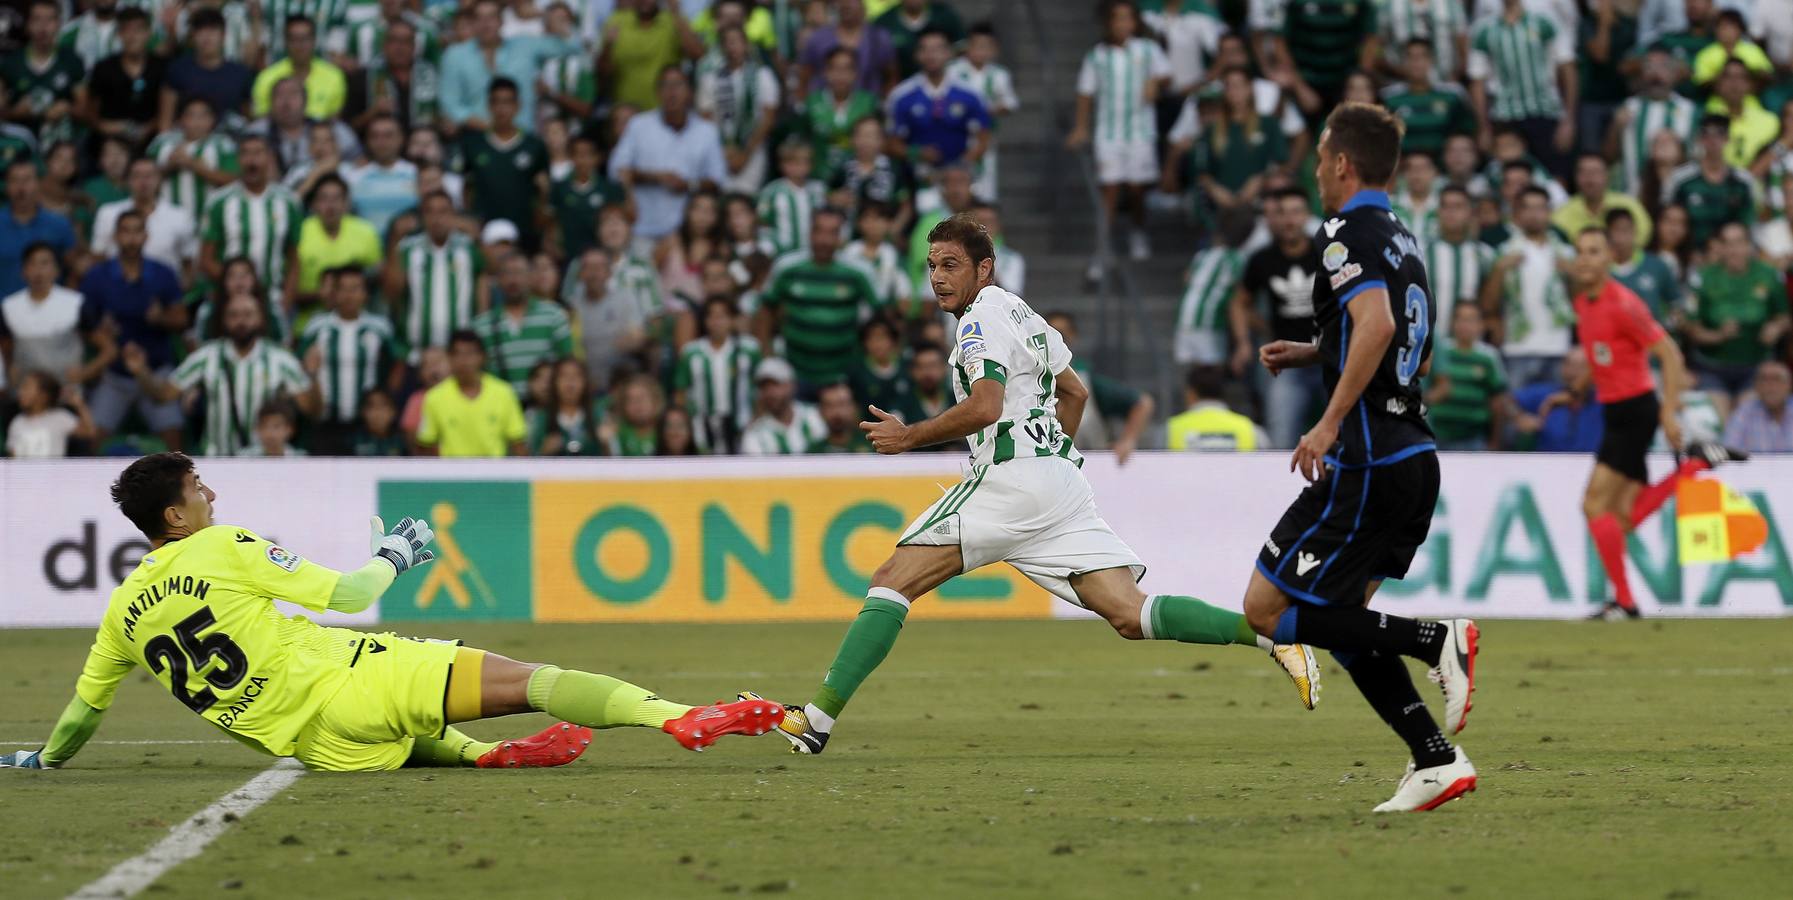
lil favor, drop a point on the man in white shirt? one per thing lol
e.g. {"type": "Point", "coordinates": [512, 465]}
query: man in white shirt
{"type": "Point", "coordinates": [1527, 295]}
{"type": "Point", "coordinates": [785, 425]}
{"type": "Point", "coordinates": [665, 155]}
{"type": "Point", "coordinates": [173, 235]}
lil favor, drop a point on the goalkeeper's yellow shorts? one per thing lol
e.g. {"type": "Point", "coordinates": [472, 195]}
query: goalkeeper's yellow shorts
{"type": "Point", "coordinates": [396, 692]}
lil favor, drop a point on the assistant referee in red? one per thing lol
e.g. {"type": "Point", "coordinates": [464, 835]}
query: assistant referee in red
{"type": "Point", "coordinates": [1619, 335]}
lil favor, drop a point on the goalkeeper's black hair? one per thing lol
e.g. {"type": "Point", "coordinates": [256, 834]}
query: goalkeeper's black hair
{"type": "Point", "coordinates": [148, 487]}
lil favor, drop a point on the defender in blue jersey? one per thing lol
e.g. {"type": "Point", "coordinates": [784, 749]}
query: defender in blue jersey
{"type": "Point", "coordinates": [1370, 462]}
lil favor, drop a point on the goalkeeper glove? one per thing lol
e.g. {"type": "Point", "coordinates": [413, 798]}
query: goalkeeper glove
{"type": "Point", "coordinates": [24, 759]}
{"type": "Point", "coordinates": [403, 546]}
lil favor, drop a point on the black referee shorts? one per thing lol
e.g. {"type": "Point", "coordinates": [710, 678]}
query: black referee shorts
{"type": "Point", "coordinates": [1630, 430]}
{"type": "Point", "coordinates": [1352, 527]}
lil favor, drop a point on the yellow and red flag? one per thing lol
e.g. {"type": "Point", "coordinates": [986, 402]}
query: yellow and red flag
{"type": "Point", "coordinates": [1715, 523]}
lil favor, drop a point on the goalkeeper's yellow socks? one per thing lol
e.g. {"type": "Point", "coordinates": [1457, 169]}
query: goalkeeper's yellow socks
{"type": "Point", "coordinates": [451, 749]}
{"type": "Point", "coordinates": [598, 701]}
{"type": "Point", "coordinates": [1165, 617]}
{"type": "Point", "coordinates": [868, 641]}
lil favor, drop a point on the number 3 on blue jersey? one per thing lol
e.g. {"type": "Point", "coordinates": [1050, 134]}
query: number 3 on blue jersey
{"type": "Point", "coordinates": [1418, 326]}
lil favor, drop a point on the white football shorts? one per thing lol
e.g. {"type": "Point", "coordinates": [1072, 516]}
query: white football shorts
{"type": "Point", "coordinates": [1034, 513]}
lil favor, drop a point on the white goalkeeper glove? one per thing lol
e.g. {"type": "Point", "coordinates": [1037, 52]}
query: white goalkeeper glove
{"type": "Point", "coordinates": [404, 545]}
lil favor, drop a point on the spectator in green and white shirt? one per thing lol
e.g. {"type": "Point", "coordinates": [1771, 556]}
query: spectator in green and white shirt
{"type": "Point", "coordinates": [523, 329]}
{"type": "Point", "coordinates": [236, 373]}
{"type": "Point", "coordinates": [1415, 198]}
{"type": "Point", "coordinates": [1202, 315]}
{"type": "Point", "coordinates": [359, 44]}
{"type": "Point", "coordinates": [435, 280]}
{"type": "Point", "coordinates": [1646, 274]}
{"type": "Point", "coordinates": [784, 425]}
{"type": "Point", "coordinates": [1467, 386]}
{"type": "Point", "coordinates": [1442, 26]}
{"type": "Point", "coordinates": [1456, 262]}
{"type": "Point", "coordinates": [874, 251]}
{"type": "Point", "coordinates": [194, 159]}
{"type": "Point", "coordinates": [1117, 91]}
{"type": "Point", "coordinates": [714, 379]}
{"type": "Point", "coordinates": [1518, 58]}
{"type": "Point", "coordinates": [1527, 293]}
{"type": "Point", "coordinates": [350, 351]}
{"type": "Point", "coordinates": [740, 94]}
{"type": "Point", "coordinates": [787, 204]}
{"type": "Point", "coordinates": [255, 218]}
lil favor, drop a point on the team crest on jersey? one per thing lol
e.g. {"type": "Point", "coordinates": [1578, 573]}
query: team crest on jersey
{"type": "Point", "coordinates": [1334, 257]}
{"type": "Point", "coordinates": [284, 558]}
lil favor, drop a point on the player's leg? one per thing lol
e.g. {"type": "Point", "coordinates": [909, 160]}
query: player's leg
{"type": "Point", "coordinates": [911, 571]}
{"type": "Point", "coordinates": [1607, 503]}
{"type": "Point", "coordinates": [1701, 455]}
{"type": "Point", "coordinates": [1114, 594]}
{"type": "Point", "coordinates": [485, 685]}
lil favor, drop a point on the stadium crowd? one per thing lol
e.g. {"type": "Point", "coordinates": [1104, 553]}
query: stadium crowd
{"type": "Point", "coordinates": [670, 227]}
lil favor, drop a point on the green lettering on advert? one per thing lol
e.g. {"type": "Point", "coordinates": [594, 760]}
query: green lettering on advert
{"type": "Point", "coordinates": [590, 540]}
{"type": "Point", "coordinates": [1662, 576]}
{"type": "Point", "coordinates": [1517, 506]}
{"type": "Point", "coordinates": [1431, 565]}
{"type": "Point", "coordinates": [1776, 569]}
{"type": "Point", "coordinates": [853, 583]}
{"type": "Point", "coordinates": [771, 566]}
{"type": "Point", "coordinates": [482, 568]}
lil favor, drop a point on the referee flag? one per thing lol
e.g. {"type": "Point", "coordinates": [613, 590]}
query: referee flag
{"type": "Point", "coordinates": [1714, 523]}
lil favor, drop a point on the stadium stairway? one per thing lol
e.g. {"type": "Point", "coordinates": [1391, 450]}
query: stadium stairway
{"type": "Point", "coordinates": [1049, 209]}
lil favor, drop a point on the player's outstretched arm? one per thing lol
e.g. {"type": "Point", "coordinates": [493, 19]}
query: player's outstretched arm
{"type": "Point", "coordinates": [1372, 327]}
{"type": "Point", "coordinates": [393, 553]}
{"type": "Point", "coordinates": [78, 723]}
{"type": "Point", "coordinates": [979, 411]}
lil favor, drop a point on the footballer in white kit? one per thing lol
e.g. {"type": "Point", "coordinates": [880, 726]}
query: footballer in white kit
{"type": "Point", "coordinates": [1024, 501]}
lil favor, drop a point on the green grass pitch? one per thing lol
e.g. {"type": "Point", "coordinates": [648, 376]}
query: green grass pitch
{"type": "Point", "coordinates": [1039, 759]}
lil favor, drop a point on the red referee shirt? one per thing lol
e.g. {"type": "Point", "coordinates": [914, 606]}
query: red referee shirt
{"type": "Point", "coordinates": [1616, 332]}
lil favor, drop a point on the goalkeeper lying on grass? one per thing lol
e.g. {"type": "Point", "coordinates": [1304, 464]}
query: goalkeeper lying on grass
{"type": "Point", "coordinates": [198, 613]}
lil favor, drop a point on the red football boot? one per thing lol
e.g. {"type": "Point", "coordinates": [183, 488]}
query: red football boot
{"type": "Point", "coordinates": [562, 743]}
{"type": "Point", "coordinates": [701, 727]}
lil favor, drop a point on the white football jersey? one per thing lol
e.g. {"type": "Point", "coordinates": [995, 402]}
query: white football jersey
{"type": "Point", "coordinates": [1000, 337]}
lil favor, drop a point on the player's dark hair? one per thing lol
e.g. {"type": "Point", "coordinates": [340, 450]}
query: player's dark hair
{"type": "Point", "coordinates": [202, 18]}
{"type": "Point", "coordinates": [876, 323]}
{"type": "Point", "coordinates": [933, 31]}
{"type": "Point", "coordinates": [1206, 382]}
{"type": "Point", "coordinates": [1234, 224]}
{"type": "Point", "coordinates": [1529, 190]}
{"type": "Point", "coordinates": [1368, 136]}
{"type": "Point", "coordinates": [1615, 214]}
{"type": "Point", "coordinates": [36, 247]}
{"type": "Point", "coordinates": [147, 487]}
{"type": "Point", "coordinates": [349, 271]}
{"type": "Point", "coordinates": [466, 336]}
{"type": "Point", "coordinates": [965, 230]}
{"type": "Point", "coordinates": [277, 408]}
{"type": "Point", "coordinates": [503, 83]}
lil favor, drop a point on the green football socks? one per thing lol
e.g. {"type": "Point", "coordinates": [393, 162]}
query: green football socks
{"type": "Point", "coordinates": [868, 641]}
{"type": "Point", "coordinates": [1165, 617]}
{"type": "Point", "coordinates": [451, 749]}
{"type": "Point", "coordinates": [598, 701]}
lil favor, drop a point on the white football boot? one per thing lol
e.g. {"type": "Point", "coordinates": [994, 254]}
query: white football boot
{"type": "Point", "coordinates": [1455, 672]}
{"type": "Point", "coordinates": [1425, 789]}
{"type": "Point", "coordinates": [1298, 661]}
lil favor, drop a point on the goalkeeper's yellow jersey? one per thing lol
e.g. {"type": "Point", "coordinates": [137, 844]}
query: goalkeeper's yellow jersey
{"type": "Point", "coordinates": [198, 613]}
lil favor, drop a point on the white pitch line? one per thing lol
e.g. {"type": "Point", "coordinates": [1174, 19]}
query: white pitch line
{"type": "Point", "coordinates": [186, 840]}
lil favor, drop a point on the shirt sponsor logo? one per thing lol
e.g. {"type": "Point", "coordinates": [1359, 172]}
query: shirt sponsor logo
{"type": "Point", "coordinates": [1275, 551]}
{"type": "Point", "coordinates": [1335, 256]}
{"type": "Point", "coordinates": [284, 558]}
{"type": "Point", "coordinates": [1343, 276]}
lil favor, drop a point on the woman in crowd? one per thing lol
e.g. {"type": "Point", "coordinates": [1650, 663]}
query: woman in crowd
{"type": "Point", "coordinates": [565, 425]}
